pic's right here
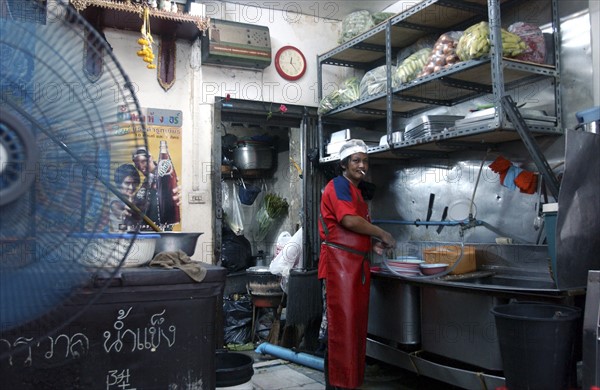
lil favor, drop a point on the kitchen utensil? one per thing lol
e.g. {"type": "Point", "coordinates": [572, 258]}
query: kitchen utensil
{"type": "Point", "coordinates": [444, 215]}
{"type": "Point", "coordinates": [107, 249]}
{"type": "Point", "coordinates": [430, 208]}
{"type": "Point", "coordinates": [250, 155]}
{"type": "Point", "coordinates": [428, 125]}
{"type": "Point", "coordinates": [174, 241]}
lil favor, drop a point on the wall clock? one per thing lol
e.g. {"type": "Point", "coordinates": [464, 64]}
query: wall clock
{"type": "Point", "coordinates": [290, 63]}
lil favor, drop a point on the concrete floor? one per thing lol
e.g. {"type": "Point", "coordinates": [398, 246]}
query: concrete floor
{"type": "Point", "coordinates": [271, 373]}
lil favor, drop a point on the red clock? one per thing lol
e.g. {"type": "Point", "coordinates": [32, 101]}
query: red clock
{"type": "Point", "coordinates": [290, 63]}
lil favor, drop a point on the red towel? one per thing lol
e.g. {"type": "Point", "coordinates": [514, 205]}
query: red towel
{"type": "Point", "coordinates": [500, 165]}
{"type": "Point", "coordinates": [527, 182]}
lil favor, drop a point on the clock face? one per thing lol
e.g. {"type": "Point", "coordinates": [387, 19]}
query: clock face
{"type": "Point", "coordinates": [290, 63]}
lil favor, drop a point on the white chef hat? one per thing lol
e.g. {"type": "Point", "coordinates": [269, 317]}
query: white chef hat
{"type": "Point", "coordinates": [352, 146]}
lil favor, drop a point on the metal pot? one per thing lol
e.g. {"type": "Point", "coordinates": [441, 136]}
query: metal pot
{"type": "Point", "coordinates": [174, 241]}
{"type": "Point", "coordinates": [249, 155]}
{"type": "Point", "coordinates": [263, 286]}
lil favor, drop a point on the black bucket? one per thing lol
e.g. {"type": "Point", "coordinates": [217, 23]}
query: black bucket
{"type": "Point", "coordinates": [233, 368]}
{"type": "Point", "coordinates": [536, 343]}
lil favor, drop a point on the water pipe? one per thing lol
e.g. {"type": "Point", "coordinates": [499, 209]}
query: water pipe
{"type": "Point", "coordinates": [465, 222]}
{"type": "Point", "coordinates": [296, 357]}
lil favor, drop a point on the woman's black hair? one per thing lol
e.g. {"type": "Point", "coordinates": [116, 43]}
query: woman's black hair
{"type": "Point", "coordinates": [126, 170]}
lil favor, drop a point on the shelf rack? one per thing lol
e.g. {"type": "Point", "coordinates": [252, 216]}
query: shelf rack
{"type": "Point", "coordinates": [456, 84]}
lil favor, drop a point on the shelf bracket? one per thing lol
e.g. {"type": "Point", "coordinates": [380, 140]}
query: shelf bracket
{"type": "Point", "coordinates": [540, 161]}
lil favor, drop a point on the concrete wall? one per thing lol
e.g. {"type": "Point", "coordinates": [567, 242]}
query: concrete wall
{"type": "Point", "coordinates": [197, 87]}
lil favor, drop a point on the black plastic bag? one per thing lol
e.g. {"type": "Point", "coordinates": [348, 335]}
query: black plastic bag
{"type": "Point", "coordinates": [238, 320]}
{"type": "Point", "coordinates": [236, 252]}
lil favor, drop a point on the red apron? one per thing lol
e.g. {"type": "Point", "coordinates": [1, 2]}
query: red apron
{"type": "Point", "coordinates": [348, 287]}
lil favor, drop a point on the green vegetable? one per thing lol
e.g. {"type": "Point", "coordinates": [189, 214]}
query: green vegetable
{"type": "Point", "coordinates": [276, 206]}
{"type": "Point", "coordinates": [348, 92]}
{"type": "Point", "coordinates": [271, 208]}
{"type": "Point", "coordinates": [355, 24]}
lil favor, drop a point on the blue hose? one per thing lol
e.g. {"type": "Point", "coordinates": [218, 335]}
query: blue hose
{"type": "Point", "coordinates": [296, 357]}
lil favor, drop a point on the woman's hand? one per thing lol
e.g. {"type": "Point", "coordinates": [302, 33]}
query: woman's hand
{"type": "Point", "coordinates": [388, 240]}
{"type": "Point", "coordinates": [378, 247]}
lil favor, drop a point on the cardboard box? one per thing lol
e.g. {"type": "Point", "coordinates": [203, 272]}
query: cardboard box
{"type": "Point", "coordinates": [449, 254]}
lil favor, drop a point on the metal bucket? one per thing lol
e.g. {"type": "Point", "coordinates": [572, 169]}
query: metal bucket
{"type": "Point", "coordinates": [264, 287]}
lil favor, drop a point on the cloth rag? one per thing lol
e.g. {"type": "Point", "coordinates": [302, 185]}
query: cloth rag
{"type": "Point", "coordinates": [527, 182]}
{"type": "Point", "coordinates": [179, 259]}
{"type": "Point", "coordinates": [500, 165]}
{"type": "Point", "coordinates": [511, 175]}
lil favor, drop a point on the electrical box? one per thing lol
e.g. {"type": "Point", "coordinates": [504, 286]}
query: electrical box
{"type": "Point", "coordinates": [240, 45]}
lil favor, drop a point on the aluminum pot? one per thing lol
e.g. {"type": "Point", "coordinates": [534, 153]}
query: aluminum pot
{"type": "Point", "coordinates": [174, 241]}
{"type": "Point", "coordinates": [250, 155]}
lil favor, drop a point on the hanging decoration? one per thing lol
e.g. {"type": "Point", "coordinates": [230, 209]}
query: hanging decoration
{"type": "Point", "coordinates": [200, 22]}
{"type": "Point", "coordinates": [146, 41]}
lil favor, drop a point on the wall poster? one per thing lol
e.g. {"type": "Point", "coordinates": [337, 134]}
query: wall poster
{"type": "Point", "coordinates": [159, 192]}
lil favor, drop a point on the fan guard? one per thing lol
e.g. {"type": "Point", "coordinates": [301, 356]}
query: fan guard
{"type": "Point", "coordinates": [61, 137]}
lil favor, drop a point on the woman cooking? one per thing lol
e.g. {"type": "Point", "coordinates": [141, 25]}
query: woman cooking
{"type": "Point", "coordinates": [346, 232]}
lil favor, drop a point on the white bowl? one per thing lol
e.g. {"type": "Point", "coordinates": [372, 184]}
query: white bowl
{"type": "Point", "coordinates": [114, 249]}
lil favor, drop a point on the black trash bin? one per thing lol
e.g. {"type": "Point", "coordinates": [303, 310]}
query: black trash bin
{"type": "Point", "coordinates": [536, 343]}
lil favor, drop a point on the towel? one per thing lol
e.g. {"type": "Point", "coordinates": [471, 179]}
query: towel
{"type": "Point", "coordinates": [500, 166]}
{"type": "Point", "coordinates": [181, 260]}
{"type": "Point", "coordinates": [527, 182]}
{"type": "Point", "coordinates": [511, 175]}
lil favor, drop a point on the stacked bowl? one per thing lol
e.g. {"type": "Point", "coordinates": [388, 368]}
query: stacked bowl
{"type": "Point", "coordinates": [405, 265]}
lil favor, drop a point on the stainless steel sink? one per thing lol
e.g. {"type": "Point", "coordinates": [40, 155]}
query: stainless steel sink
{"type": "Point", "coordinates": [511, 282]}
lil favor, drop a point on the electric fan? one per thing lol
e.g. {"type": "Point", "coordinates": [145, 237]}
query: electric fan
{"type": "Point", "coordinates": [62, 135]}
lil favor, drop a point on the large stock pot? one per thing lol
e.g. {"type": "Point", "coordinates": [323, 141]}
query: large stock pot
{"type": "Point", "coordinates": [253, 155]}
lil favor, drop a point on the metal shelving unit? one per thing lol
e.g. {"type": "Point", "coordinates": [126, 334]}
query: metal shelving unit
{"type": "Point", "coordinates": [456, 84]}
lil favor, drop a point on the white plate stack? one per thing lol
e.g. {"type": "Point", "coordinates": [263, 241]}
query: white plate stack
{"type": "Point", "coordinates": [405, 265]}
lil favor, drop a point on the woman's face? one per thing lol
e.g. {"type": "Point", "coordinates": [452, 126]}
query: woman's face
{"type": "Point", "coordinates": [357, 168]}
{"type": "Point", "coordinates": [128, 186]}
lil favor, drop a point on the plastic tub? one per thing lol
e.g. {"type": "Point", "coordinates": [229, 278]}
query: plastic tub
{"type": "Point", "coordinates": [233, 369]}
{"type": "Point", "coordinates": [536, 344]}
